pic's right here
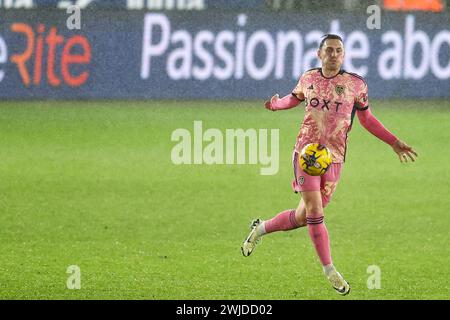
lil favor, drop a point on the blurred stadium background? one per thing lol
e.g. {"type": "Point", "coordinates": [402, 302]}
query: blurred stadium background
{"type": "Point", "coordinates": [93, 207]}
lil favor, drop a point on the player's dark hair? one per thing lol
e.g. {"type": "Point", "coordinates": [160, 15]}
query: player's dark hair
{"type": "Point", "coordinates": [329, 36]}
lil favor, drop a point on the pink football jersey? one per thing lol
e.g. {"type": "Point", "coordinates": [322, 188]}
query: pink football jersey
{"type": "Point", "coordinates": [331, 104]}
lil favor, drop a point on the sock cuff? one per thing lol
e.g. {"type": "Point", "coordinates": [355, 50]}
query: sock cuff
{"type": "Point", "coordinates": [292, 219]}
{"type": "Point", "coordinates": [327, 269]}
{"type": "Point", "coordinates": [314, 220]}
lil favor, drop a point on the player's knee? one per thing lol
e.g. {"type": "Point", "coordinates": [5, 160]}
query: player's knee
{"type": "Point", "coordinates": [314, 209]}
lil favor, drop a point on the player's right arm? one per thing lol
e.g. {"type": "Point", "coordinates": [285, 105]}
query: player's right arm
{"type": "Point", "coordinates": [287, 102]}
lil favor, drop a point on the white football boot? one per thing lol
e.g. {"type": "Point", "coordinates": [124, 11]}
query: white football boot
{"type": "Point", "coordinates": [338, 282]}
{"type": "Point", "coordinates": [252, 240]}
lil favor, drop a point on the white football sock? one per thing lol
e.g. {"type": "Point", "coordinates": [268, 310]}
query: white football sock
{"type": "Point", "coordinates": [328, 269]}
{"type": "Point", "coordinates": [261, 229]}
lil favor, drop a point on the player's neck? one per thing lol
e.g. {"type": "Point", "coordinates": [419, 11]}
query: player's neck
{"type": "Point", "coordinates": [329, 73]}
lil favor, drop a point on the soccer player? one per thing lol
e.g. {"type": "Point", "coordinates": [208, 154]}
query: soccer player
{"type": "Point", "coordinates": [333, 97]}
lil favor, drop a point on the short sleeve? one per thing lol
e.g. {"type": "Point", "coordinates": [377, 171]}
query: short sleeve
{"type": "Point", "coordinates": [298, 90]}
{"type": "Point", "coordinates": [362, 96]}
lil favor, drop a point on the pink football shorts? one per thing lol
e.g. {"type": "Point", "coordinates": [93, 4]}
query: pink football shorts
{"type": "Point", "coordinates": [326, 183]}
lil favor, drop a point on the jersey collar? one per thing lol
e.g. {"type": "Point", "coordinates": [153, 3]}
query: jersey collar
{"type": "Point", "coordinates": [339, 73]}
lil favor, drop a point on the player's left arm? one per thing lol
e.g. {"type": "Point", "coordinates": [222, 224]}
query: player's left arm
{"type": "Point", "coordinates": [374, 126]}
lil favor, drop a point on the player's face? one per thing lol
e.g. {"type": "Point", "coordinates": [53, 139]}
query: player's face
{"type": "Point", "coordinates": [332, 54]}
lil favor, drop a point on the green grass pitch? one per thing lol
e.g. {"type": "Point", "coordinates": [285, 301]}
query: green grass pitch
{"type": "Point", "coordinates": [92, 184]}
